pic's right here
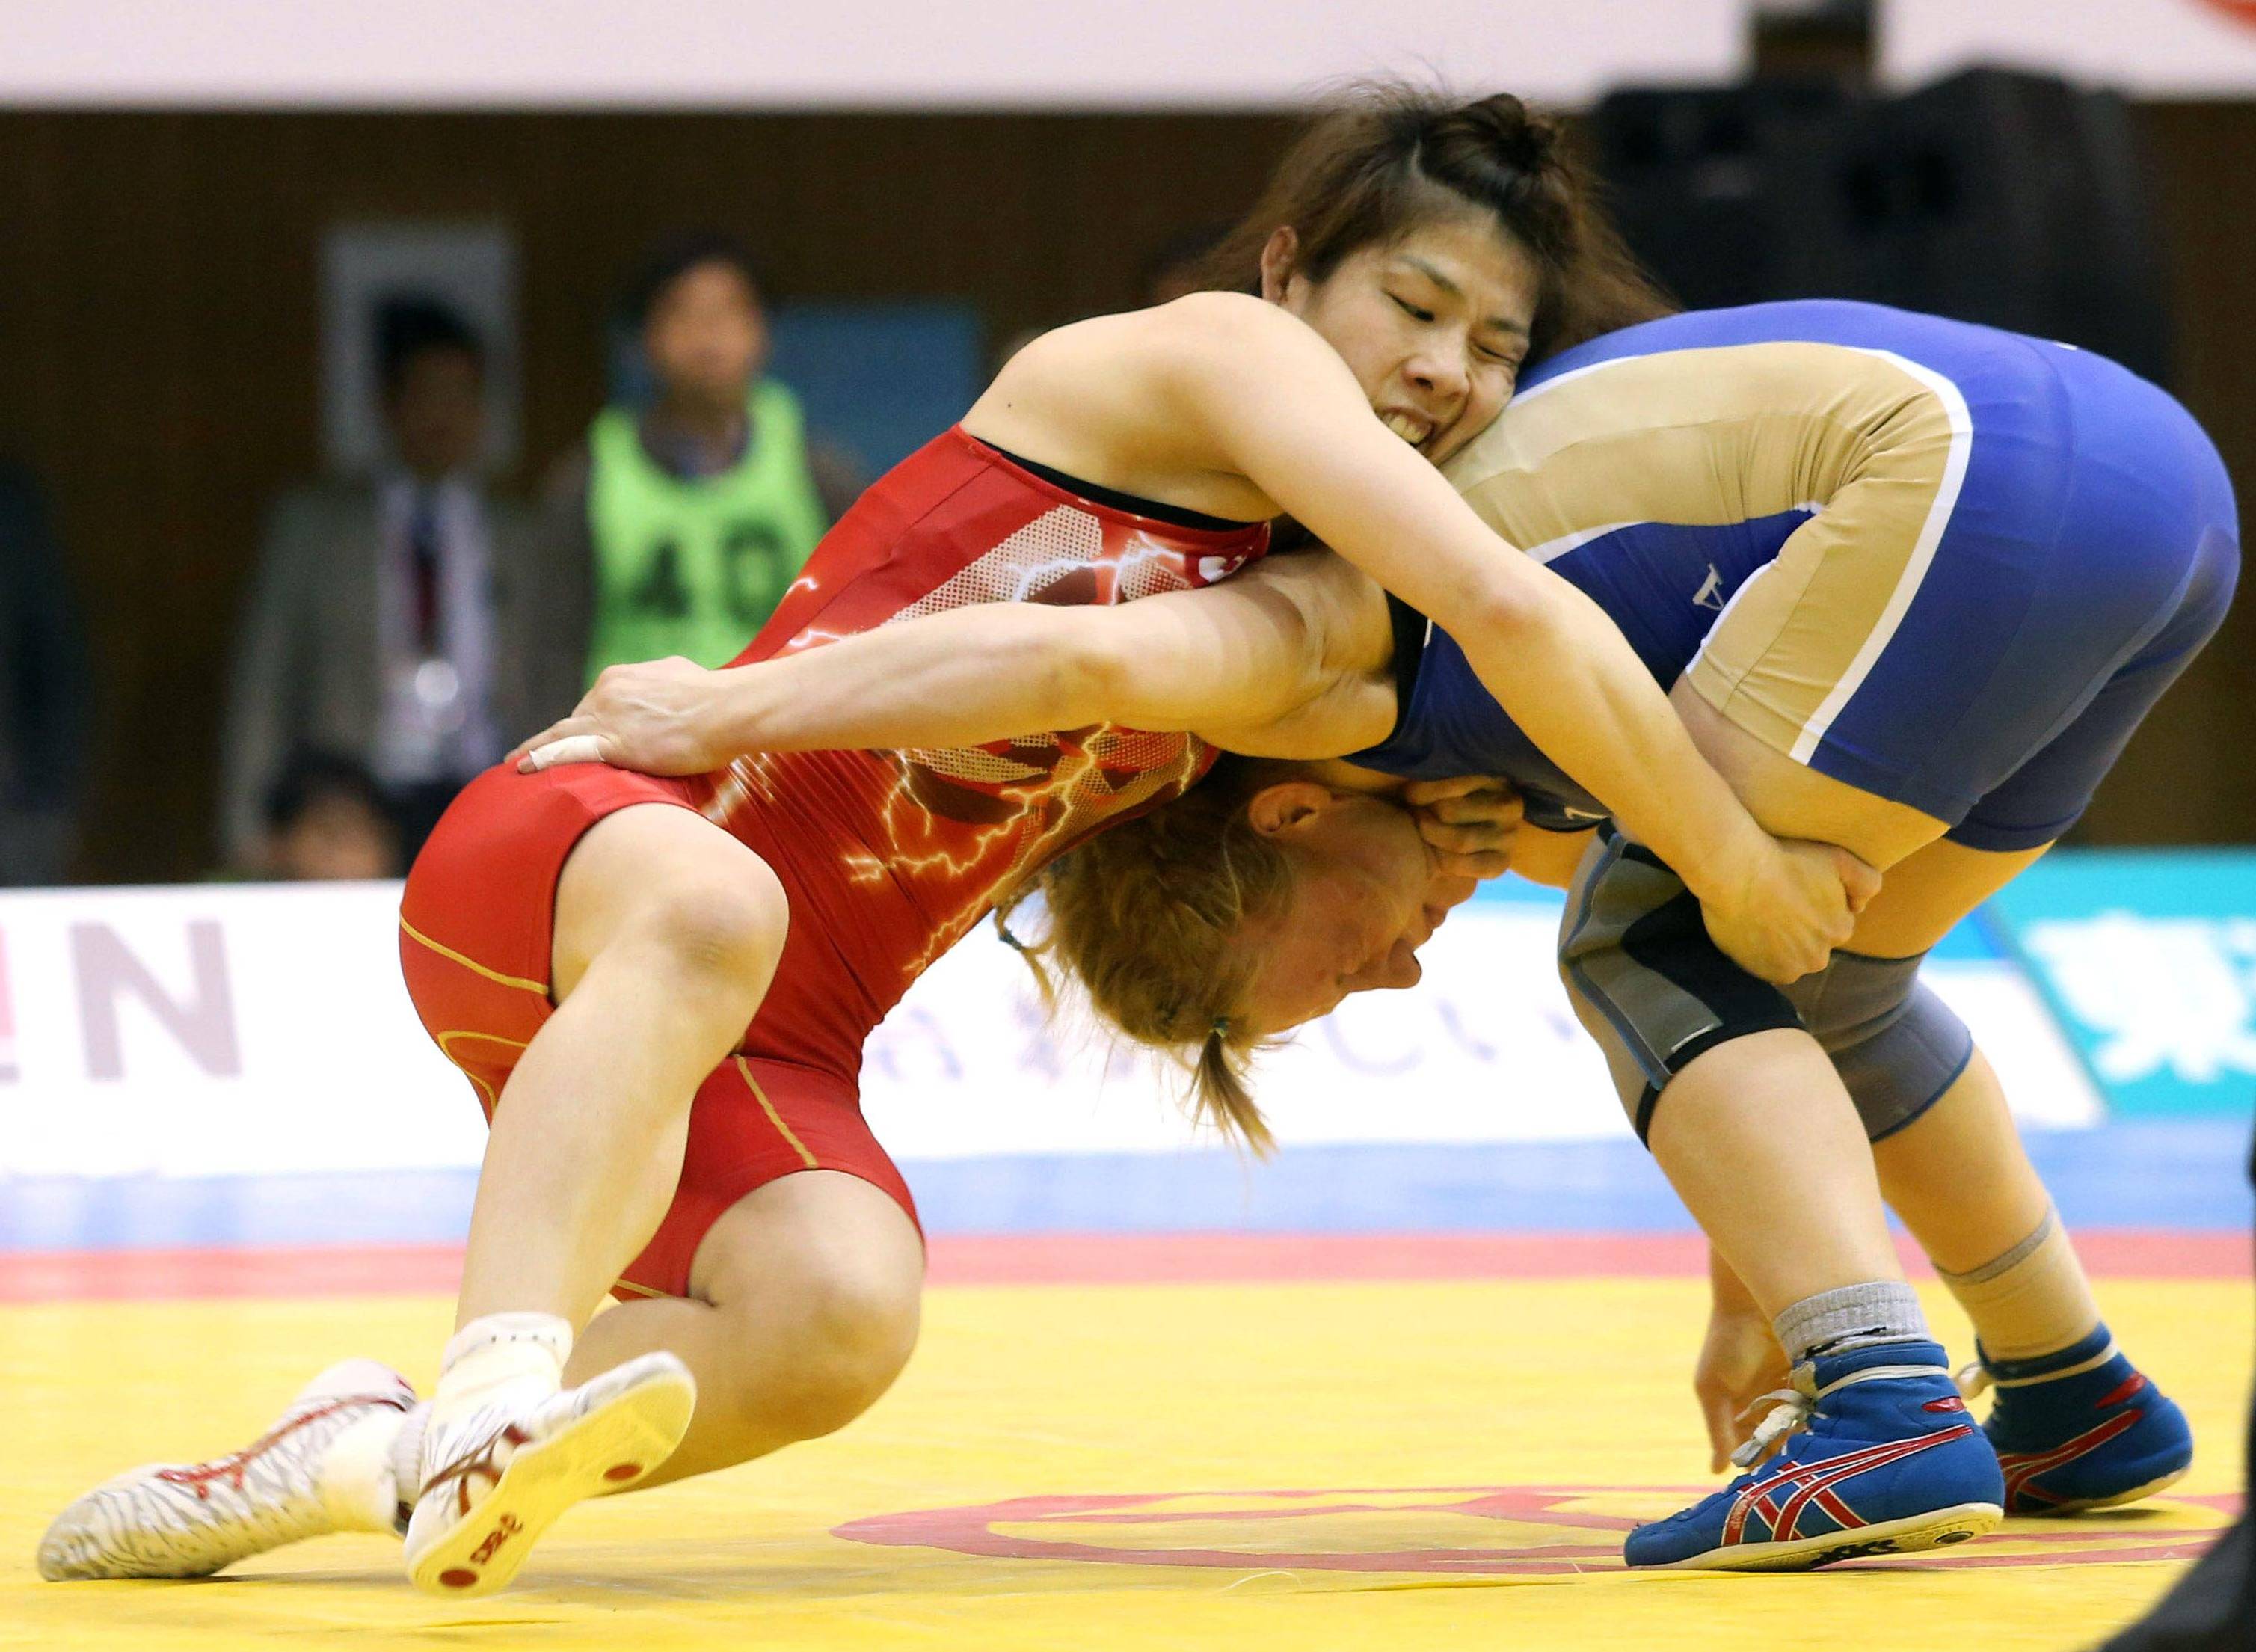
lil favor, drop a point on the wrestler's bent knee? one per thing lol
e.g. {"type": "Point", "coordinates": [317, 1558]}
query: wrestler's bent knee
{"type": "Point", "coordinates": [1896, 1045]}
{"type": "Point", "coordinates": [845, 1331]}
{"type": "Point", "coordinates": [1647, 981]}
{"type": "Point", "coordinates": [726, 932]}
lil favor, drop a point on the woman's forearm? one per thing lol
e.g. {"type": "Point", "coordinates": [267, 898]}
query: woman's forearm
{"type": "Point", "coordinates": [959, 678]}
{"type": "Point", "coordinates": [1567, 677]}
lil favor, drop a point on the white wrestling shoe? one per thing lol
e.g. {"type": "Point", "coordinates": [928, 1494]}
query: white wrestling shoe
{"type": "Point", "coordinates": [324, 1466]}
{"type": "Point", "coordinates": [498, 1477]}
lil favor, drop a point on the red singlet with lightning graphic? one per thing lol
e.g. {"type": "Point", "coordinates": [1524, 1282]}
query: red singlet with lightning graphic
{"type": "Point", "coordinates": [888, 857]}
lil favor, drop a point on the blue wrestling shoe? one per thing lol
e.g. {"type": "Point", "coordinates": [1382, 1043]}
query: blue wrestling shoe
{"type": "Point", "coordinates": [2080, 1428]}
{"type": "Point", "coordinates": [1883, 1459]}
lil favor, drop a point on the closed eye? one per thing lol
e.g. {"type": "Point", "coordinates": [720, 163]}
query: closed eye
{"type": "Point", "coordinates": [1412, 310]}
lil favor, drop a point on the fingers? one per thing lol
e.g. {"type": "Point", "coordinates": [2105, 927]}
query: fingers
{"type": "Point", "coordinates": [521, 758]}
{"type": "Point", "coordinates": [1859, 879]}
{"type": "Point", "coordinates": [1475, 809]}
{"type": "Point", "coordinates": [573, 748]}
{"type": "Point", "coordinates": [1723, 1434]}
{"type": "Point", "coordinates": [1469, 823]}
{"type": "Point", "coordinates": [1463, 838]}
{"type": "Point", "coordinates": [1426, 793]}
{"type": "Point", "coordinates": [1723, 1400]}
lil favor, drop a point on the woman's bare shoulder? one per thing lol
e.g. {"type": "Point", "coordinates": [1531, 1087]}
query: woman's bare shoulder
{"type": "Point", "coordinates": [1196, 324]}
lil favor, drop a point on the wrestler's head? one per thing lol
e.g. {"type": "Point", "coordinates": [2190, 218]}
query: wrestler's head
{"type": "Point", "coordinates": [1257, 901]}
{"type": "Point", "coordinates": [1439, 247]}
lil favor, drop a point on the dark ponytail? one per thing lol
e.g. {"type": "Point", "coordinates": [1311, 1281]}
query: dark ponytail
{"type": "Point", "coordinates": [1388, 157]}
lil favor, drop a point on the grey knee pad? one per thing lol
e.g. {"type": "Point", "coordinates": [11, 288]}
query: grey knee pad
{"type": "Point", "coordinates": [1646, 980]}
{"type": "Point", "coordinates": [1896, 1045]}
{"type": "Point", "coordinates": [1655, 992]}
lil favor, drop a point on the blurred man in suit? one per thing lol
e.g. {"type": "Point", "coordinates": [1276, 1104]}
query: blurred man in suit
{"type": "Point", "coordinates": [45, 691]}
{"type": "Point", "coordinates": [406, 621]}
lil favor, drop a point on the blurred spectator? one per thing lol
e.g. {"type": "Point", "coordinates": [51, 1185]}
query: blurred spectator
{"type": "Point", "coordinates": [1180, 264]}
{"type": "Point", "coordinates": [326, 818]}
{"type": "Point", "coordinates": [405, 621]}
{"type": "Point", "coordinates": [694, 515]}
{"type": "Point", "coordinates": [44, 692]}
{"type": "Point", "coordinates": [1178, 267]}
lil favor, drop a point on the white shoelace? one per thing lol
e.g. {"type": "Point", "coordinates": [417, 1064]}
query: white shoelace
{"type": "Point", "coordinates": [1789, 1416]}
{"type": "Point", "coordinates": [1796, 1406]}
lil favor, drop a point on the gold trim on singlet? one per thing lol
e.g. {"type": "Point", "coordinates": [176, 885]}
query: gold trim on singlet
{"type": "Point", "coordinates": [775, 1118]}
{"type": "Point", "coordinates": [469, 964]}
{"type": "Point", "coordinates": [445, 1042]}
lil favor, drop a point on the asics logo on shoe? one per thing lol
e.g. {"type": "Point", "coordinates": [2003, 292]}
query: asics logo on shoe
{"type": "Point", "coordinates": [478, 1463]}
{"type": "Point", "coordinates": [2021, 1467]}
{"type": "Point", "coordinates": [1780, 1499]}
{"type": "Point", "coordinates": [2130, 1385]}
{"type": "Point", "coordinates": [504, 1529]}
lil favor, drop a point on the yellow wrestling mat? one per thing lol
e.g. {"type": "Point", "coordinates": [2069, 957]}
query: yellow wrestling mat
{"type": "Point", "coordinates": [1085, 1469]}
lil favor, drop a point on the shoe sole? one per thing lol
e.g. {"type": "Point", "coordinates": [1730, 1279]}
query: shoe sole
{"type": "Point", "coordinates": [608, 1449]}
{"type": "Point", "coordinates": [2137, 1493]}
{"type": "Point", "coordinates": [1913, 1533]}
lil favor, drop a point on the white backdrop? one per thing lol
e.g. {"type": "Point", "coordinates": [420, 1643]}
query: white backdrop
{"type": "Point", "coordinates": [2160, 48]}
{"type": "Point", "coordinates": [254, 1030]}
{"type": "Point", "coordinates": [854, 53]}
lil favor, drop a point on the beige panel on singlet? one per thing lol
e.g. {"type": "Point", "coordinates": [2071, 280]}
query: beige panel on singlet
{"type": "Point", "coordinates": [1705, 437]}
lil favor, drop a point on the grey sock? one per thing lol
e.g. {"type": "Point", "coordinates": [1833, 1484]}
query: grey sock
{"type": "Point", "coordinates": [1854, 1316]}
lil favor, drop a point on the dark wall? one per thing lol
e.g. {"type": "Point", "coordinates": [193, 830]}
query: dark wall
{"type": "Point", "coordinates": [158, 338]}
{"type": "Point", "coordinates": [158, 320]}
{"type": "Point", "coordinates": [2187, 777]}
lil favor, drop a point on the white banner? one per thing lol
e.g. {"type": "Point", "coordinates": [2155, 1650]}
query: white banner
{"type": "Point", "coordinates": [2155, 48]}
{"type": "Point", "coordinates": [1128, 54]}
{"type": "Point", "coordinates": [263, 1031]}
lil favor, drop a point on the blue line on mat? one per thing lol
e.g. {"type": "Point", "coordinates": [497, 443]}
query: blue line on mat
{"type": "Point", "coordinates": [2176, 1174]}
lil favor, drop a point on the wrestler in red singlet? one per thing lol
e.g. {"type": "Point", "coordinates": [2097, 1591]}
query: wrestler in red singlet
{"type": "Point", "coordinates": [888, 857]}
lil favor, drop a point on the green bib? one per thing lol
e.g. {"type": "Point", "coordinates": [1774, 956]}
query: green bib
{"type": "Point", "coordinates": [695, 567]}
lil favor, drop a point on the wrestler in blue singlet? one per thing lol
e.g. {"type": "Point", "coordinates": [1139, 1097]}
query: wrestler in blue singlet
{"type": "Point", "coordinates": [1949, 565]}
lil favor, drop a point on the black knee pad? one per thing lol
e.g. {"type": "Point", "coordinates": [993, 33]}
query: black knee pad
{"type": "Point", "coordinates": [1645, 979]}
{"type": "Point", "coordinates": [1896, 1045]}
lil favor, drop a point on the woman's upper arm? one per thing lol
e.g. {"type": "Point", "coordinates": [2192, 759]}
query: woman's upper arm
{"type": "Point", "coordinates": [1272, 399]}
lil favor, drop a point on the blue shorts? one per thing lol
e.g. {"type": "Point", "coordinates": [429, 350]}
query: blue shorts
{"type": "Point", "coordinates": [2089, 551]}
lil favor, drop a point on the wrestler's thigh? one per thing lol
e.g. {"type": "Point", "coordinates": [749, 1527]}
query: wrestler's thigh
{"type": "Point", "coordinates": [659, 874]}
{"type": "Point", "coordinates": [1924, 897]}
{"type": "Point", "coordinates": [1791, 800]}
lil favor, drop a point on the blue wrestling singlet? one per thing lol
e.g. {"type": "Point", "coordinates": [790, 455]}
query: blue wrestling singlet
{"type": "Point", "coordinates": [1948, 565]}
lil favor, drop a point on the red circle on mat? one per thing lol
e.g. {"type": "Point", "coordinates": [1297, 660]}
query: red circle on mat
{"type": "Point", "coordinates": [458, 1579]}
{"type": "Point", "coordinates": [1573, 1536]}
{"type": "Point", "coordinates": [2239, 10]}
